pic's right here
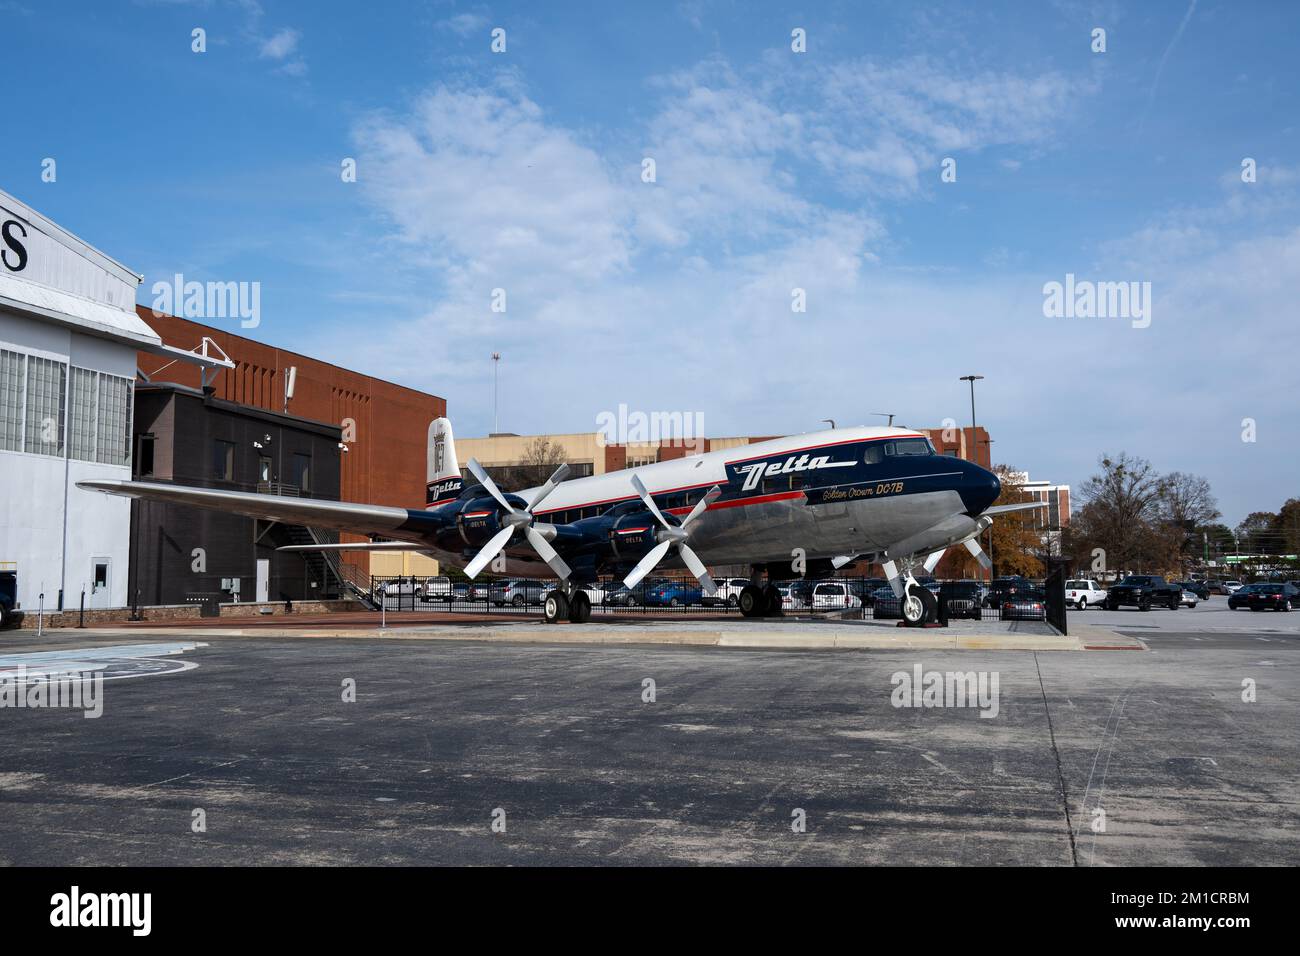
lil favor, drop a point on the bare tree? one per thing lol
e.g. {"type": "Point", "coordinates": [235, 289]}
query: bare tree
{"type": "Point", "coordinates": [540, 459]}
{"type": "Point", "coordinates": [1121, 511]}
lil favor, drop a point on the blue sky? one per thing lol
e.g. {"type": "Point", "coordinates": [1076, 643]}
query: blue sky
{"type": "Point", "coordinates": [775, 170]}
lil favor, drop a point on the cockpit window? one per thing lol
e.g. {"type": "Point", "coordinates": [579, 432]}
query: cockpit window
{"type": "Point", "coordinates": [875, 454]}
{"type": "Point", "coordinates": [904, 447]}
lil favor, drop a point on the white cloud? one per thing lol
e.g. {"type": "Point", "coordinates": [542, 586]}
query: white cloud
{"type": "Point", "coordinates": [280, 45]}
{"type": "Point", "coordinates": [465, 24]}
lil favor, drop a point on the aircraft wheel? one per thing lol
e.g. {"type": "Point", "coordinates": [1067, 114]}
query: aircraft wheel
{"type": "Point", "coordinates": [772, 601]}
{"type": "Point", "coordinates": [919, 605]}
{"type": "Point", "coordinates": [580, 609]}
{"type": "Point", "coordinates": [751, 601]}
{"type": "Point", "coordinates": [555, 607]}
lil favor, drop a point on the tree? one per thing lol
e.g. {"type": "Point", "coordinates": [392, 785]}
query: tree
{"type": "Point", "coordinates": [540, 459]}
{"type": "Point", "coordinates": [1121, 514]}
{"type": "Point", "coordinates": [1015, 542]}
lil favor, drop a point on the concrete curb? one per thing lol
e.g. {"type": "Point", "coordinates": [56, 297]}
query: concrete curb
{"type": "Point", "coordinates": [1084, 637]}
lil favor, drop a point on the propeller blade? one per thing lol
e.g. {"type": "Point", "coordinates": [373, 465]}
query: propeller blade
{"type": "Point", "coordinates": [714, 493]}
{"type": "Point", "coordinates": [489, 551]}
{"type": "Point", "coordinates": [978, 553]}
{"type": "Point", "coordinates": [549, 554]}
{"type": "Point", "coordinates": [647, 564]}
{"type": "Point", "coordinates": [486, 481]}
{"type": "Point", "coordinates": [697, 568]}
{"type": "Point", "coordinates": [551, 484]}
{"type": "Point", "coordinates": [934, 558]}
{"type": "Point", "coordinates": [639, 488]}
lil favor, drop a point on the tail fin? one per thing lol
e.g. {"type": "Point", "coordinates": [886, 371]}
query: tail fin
{"type": "Point", "coordinates": [444, 481]}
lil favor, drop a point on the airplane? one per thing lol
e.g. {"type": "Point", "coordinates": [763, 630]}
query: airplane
{"type": "Point", "coordinates": [804, 505]}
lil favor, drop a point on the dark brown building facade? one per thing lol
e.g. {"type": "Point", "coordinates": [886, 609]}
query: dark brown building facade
{"type": "Point", "coordinates": [182, 554]}
{"type": "Point", "coordinates": [384, 426]}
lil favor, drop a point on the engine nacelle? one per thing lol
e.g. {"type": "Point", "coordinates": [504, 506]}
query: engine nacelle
{"type": "Point", "coordinates": [477, 521]}
{"type": "Point", "coordinates": [631, 535]}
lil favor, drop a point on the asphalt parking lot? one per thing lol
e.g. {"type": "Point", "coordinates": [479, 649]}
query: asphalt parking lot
{"type": "Point", "coordinates": [1158, 744]}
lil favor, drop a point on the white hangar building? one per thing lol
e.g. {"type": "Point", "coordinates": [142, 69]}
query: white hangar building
{"type": "Point", "coordinates": [69, 335]}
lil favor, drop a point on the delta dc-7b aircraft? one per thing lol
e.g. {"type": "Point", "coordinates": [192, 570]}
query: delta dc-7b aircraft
{"type": "Point", "coordinates": [790, 507]}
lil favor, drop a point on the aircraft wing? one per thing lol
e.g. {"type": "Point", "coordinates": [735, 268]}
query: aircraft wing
{"type": "Point", "coordinates": [401, 523]}
{"type": "Point", "coordinates": [1022, 506]}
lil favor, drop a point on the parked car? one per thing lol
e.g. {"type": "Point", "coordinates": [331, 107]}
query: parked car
{"type": "Point", "coordinates": [434, 589]}
{"type": "Point", "coordinates": [729, 590]}
{"type": "Point", "coordinates": [1026, 604]}
{"type": "Point", "coordinates": [885, 604]}
{"type": "Point", "coordinates": [9, 614]}
{"type": "Point", "coordinates": [830, 595]}
{"type": "Point", "coordinates": [1144, 591]}
{"type": "Point", "coordinates": [1199, 588]}
{"type": "Point", "coordinates": [673, 595]}
{"type": "Point", "coordinates": [460, 591]}
{"type": "Point", "coordinates": [596, 593]}
{"type": "Point", "coordinates": [1217, 587]}
{"type": "Point", "coordinates": [999, 588]}
{"type": "Point", "coordinates": [1273, 597]}
{"type": "Point", "coordinates": [964, 598]}
{"type": "Point", "coordinates": [622, 596]}
{"type": "Point", "coordinates": [517, 593]}
{"type": "Point", "coordinates": [1083, 592]}
{"type": "Point", "coordinates": [1189, 599]}
{"type": "Point", "coordinates": [1233, 587]}
{"type": "Point", "coordinates": [1241, 596]}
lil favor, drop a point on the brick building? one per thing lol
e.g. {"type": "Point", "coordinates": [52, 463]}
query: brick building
{"type": "Point", "coordinates": [384, 426]}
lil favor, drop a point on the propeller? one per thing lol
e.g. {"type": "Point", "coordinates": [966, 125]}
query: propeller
{"type": "Point", "coordinates": [515, 519]}
{"type": "Point", "coordinates": [671, 534]}
{"type": "Point", "coordinates": [978, 553]}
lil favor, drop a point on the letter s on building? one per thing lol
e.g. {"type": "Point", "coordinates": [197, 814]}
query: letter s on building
{"type": "Point", "coordinates": [20, 251]}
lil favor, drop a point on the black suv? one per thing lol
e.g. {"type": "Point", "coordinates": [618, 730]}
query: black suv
{"type": "Point", "coordinates": [1143, 591]}
{"type": "Point", "coordinates": [1002, 588]}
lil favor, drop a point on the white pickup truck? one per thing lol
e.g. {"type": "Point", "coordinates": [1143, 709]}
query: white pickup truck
{"type": "Point", "coordinates": [1082, 593]}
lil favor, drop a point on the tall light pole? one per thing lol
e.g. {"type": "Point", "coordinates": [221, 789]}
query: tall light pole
{"type": "Point", "coordinates": [989, 442]}
{"type": "Point", "coordinates": [496, 363]}
{"type": "Point", "coordinates": [975, 454]}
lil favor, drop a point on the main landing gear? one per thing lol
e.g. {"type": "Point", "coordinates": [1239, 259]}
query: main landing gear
{"type": "Point", "coordinates": [574, 606]}
{"type": "Point", "coordinates": [919, 605]}
{"type": "Point", "coordinates": [758, 601]}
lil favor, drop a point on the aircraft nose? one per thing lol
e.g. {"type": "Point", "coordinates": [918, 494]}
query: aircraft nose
{"type": "Point", "coordinates": [980, 488]}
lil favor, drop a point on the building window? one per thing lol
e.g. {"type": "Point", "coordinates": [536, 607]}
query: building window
{"type": "Point", "coordinates": [113, 421]}
{"type": "Point", "coordinates": [13, 375]}
{"type": "Point", "coordinates": [263, 469]}
{"type": "Point", "coordinates": [223, 459]}
{"type": "Point", "coordinates": [99, 423]}
{"type": "Point", "coordinates": [81, 421]}
{"type": "Point", "coordinates": [46, 393]}
{"type": "Point", "coordinates": [144, 456]}
{"type": "Point", "coordinates": [302, 471]}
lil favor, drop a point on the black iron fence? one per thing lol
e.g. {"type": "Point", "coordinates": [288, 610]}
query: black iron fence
{"type": "Point", "coordinates": [679, 593]}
